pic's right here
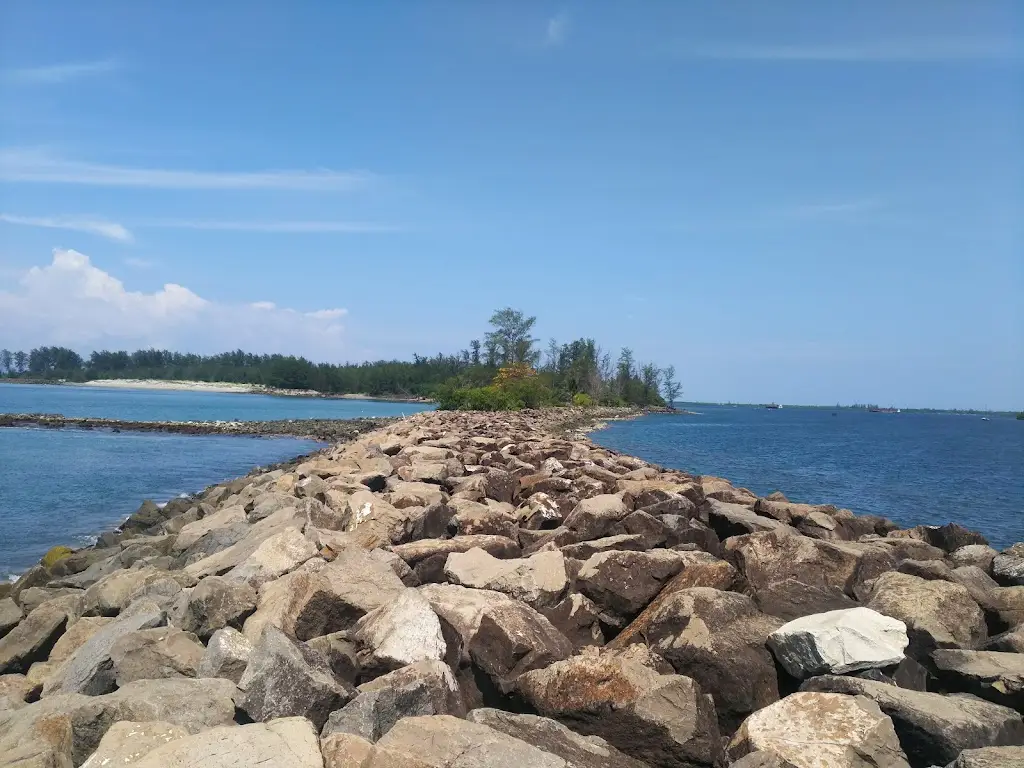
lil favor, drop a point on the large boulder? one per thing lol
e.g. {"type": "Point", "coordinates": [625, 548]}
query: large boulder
{"type": "Point", "coordinates": [278, 602]}
{"type": "Point", "coordinates": [283, 743]}
{"type": "Point", "coordinates": [539, 580]}
{"type": "Point", "coordinates": [932, 728]}
{"type": "Point", "coordinates": [112, 594]}
{"type": "Point", "coordinates": [284, 678]}
{"type": "Point", "coordinates": [990, 757]}
{"type": "Point", "coordinates": [31, 639]}
{"type": "Point", "coordinates": [149, 654]}
{"type": "Point", "coordinates": [938, 614]}
{"type": "Point", "coordinates": [554, 738]}
{"type": "Point", "coordinates": [578, 618]}
{"type": "Point", "coordinates": [216, 603]}
{"type": "Point", "coordinates": [402, 632]}
{"type": "Point", "coordinates": [998, 677]}
{"type": "Point", "coordinates": [428, 557]}
{"type": "Point", "coordinates": [624, 582]}
{"type": "Point", "coordinates": [838, 642]}
{"type": "Point", "coordinates": [821, 730]}
{"type": "Point", "coordinates": [719, 639]}
{"type": "Point", "coordinates": [662, 720]}
{"type": "Point", "coordinates": [126, 742]}
{"type": "Point", "coordinates": [281, 553]}
{"type": "Point", "coordinates": [597, 516]}
{"type": "Point", "coordinates": [10, 614]}
{"type": "Point", "coordinates": [422, 688]}
{"type": "Point", "coordinates": [226, 655]}
{"type": "Point", "coordinates": [1008, 566]}
{"type": "Point", "coordinates": [222, 518]}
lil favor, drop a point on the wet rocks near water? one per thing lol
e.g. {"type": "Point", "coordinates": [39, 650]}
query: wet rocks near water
{"type": "Point", "coordinates": [489, 589]}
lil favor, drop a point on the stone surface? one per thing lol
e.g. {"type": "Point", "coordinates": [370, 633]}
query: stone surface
{"type": "Point", "coordinates": [1008, 566]}
{"type": "Point", "coordinates": [938, 614]}
{"type": "Point", "coordinates": [623, 583]}
{"type": "Point", "coordinates": [596, 517]}
{"type": "Point", "coordinates": [226, 655]}
{"type": "Point", "coordinates": [990, 757]}
{"type": "Point", "coordinates": [32, 639]}
{"type": "Point", "coordinates": [997, 677]}
{"type": "Point", "coordinates": [663, 720]}
{"type": "Point", "coordinates": [150, 654]}
{"type": "Point", "coordinates": [126, 742]}
{"type": "Point", "coordinates": [539, 580]}
{"type": "Point", "coordinates": [284, 743]}
{"type": "Point", "coordinates": [932, 728]}
{"type": "Point", "coordinates": [346, 750]}
{"type": "Point", "coordinates": [821, 730]}
{"type": "Point", "coordinates": [428, 557]}
{"type": "Point", "coordinates": [287, 679]}
{"type": "Point", "coordinates": [10, 615]}
{"type": "Point", "coordinates": [404, 631]}
{"type": "Point", "coordinates": [218, 602]}
{"type": "Point", "coordinates": [555, 739]}
{"type": "Point", "coordinates": [281, 553]}
{"type": "Point", "coordinates": [980, 555]}
{"type": "Point", "coordinates": [838, 642]}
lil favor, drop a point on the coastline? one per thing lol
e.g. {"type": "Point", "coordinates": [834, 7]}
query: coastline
{"type": "Point", "coordinates": [226, 387]}
{"type": "Point", "coordinates": [573, 556]}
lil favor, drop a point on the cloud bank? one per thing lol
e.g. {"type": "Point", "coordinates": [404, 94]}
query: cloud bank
{"type": "Point", "coordinates": [71, 302]}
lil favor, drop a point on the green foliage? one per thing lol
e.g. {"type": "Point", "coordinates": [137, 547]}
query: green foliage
{"type": "Point", "coordinates": [1020, 416]}
{"type": "Point", "coordinates": [582, 400]}
{"type": "Point", "coordinates": [489, 398]}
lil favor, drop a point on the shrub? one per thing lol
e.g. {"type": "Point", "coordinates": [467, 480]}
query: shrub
{"type": "Point", "coordinates": [582, 399]}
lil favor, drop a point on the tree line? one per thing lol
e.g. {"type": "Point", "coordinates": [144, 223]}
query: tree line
{"type": "Point", "coordinates": [579, 369]}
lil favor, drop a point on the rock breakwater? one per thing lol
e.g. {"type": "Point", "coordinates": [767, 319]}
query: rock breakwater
{"type": "Point", "coordinates": [464, 590]}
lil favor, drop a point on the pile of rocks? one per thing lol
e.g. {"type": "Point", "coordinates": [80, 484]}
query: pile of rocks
{"type": "Point", "coordinates": [469, 590]}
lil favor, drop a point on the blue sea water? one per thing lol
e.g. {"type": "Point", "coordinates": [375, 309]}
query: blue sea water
{"type": "Point", "coordinates": [914, 468]}
{"type": "Point", "coordinates": [65, 486]}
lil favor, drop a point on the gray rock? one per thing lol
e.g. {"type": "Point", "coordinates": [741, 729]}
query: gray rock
{"type": "Point", "coordinates": [278, 555]}
{"type": "Point", "coordinates": [997, 677]}
{"type": "Point", "coordinates": [150, 654]}
{"type": "Point", "coordinates": [216, 603]}
{"type": "Point", "coordinates": [597, 516]}
{"type": "Point", "coordinates": [10, 615]}
{"type": "Point", "coordinates": [990, 757]}
{"type": "Point", "coordinates": [933, 729]}
{"type": "Point", "coordinates": [821, 729]}
{"type": "Point", "coordinates": [340, 653]}
{"type": "Point", "coordinates": [1008, 566]}
{"type": "Point", "coordinates": [226, 655]}
{"type": "Point", "coordinates": [838, 642]}
{"type": "Point", "coordinates": [285, 743]}
{"type": "Point", "coordinates": [286, 679]}
{"type": "Point", "coordinates": [578, 618]}
{"type": "Point", "coordinates": [623, 583]}
{"type": "Point", "coordinates": [32, 639]}
{"type": "Point", "coordinates": [554, 738]}
{"type": "Point", "coordinates": [126, 742]}
{"type": "Point", "coordinates": [980, 555]}
{"type": "Point", "coordinates": [428, 557]}
{"type": "Point", "coordinates": [422, 688]}
{"type": "Point", "coordinates": [402, 632]}
{"type": "Point", "coordinates": [90, 670]}
{"type": "Point", "coordinates": [33, 597]}
{"type": "Point", "coordinates": [539, 580]}
{"type": "Point", "coordinates": [111, 594]}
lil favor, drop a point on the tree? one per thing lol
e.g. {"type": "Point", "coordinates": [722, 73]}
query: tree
{"type": "Point", "coordinates": [20, 361]}
{"type": "Point", "coordinates": [511, 339]}
{"type": "Point", "coordinates": [554, 353]}
{"type": "Point", "coordinates": [670, 386]}
{"type": "Point", "coordinates": [624, 369]}
{"type": "Point", "coordinates": [6, 361]}
{"type": "Point", "coordinates": [474, 352]}
{"type": "Point", "coordinates": [649, 379]}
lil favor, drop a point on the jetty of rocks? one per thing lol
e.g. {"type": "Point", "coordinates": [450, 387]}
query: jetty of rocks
{"type": "Point", "coordinates": [468, 590]}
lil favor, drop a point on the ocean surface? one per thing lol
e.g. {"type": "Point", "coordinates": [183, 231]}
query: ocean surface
{"type": "Point", "coordinates": [914, 468]}
{"type": "Point", "coordinates": [65, 486]}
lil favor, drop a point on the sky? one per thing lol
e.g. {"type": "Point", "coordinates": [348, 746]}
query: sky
{"type": "Point", "coordinates": [799, 202]}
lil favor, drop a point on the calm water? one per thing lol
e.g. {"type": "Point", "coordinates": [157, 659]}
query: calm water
{"type": "Point", "coordinates": [912, 468]}
{"type": "Point", "coordinates": [153, 405]}
{"type": "Point", "coordinates": [65, 486]}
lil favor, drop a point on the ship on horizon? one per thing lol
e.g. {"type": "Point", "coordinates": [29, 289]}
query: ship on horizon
{"type": "Point", "coordinates": [773, 406]}
{"type": "Point", "coordinates": [876, 409]}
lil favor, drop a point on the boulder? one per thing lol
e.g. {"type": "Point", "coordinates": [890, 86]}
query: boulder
{"type": "Point", "coordinates": [126, 742]}
{"type": "Point", "coordinates": [403, 631]}
{"type": "Point", "coordinates": [719, 639]}
{"type": "Point", "coordinates": [216, 603]}
{"type": "Point", "coordinates": [838, 642]}
{"type": "Point", "coordinates": [111, 594]}
{"type": "Point", "coordinates": [932, 728]}
{"type": "Point", "coordinates": [539, 512]}
{"type": "Point", "coordinates": [997, 677]}
{"type": "Point", "coordinates": [443, 741]}
{"type": "Point", "coordinates": [728, 519]}
{"type": "Point", "coordinates": [283, 743]}
{"type": "Point", "coordinates": [511, 639]}
{"type": "Point", "coordinates": [90, 670]}
{"type": "Point", "coordinates": [340, 652]}
{"type": "Point", "coordinates": [1008, 566]}
{"type": "Point", "coordinates": [624, 582]}
{"type": "Point", "coordinates": [226, 655]}
{"type": "Point", "coordinates": [428, 557]}
{"type": "Point", "coordinates": [584, 550]}
{"type": "Point", "coordinates": [10, 614]}
{"type": "Point", "coordinates": [14, 690]}
{"type": "Point", "coordinates": [149, 654]}
{"type": "Point", "coordinates": [472, 518]}
{"type": "Point", "coordinates": [539, 580]}
{"type": "Point", "coordinates": [578, 618]}
{"type": "Point", "coordinates": [662, 720]}
{"type": "Point", "coordinates": [821, 730]}
{"type": "Point", "coordinates": [341, 592]}
{"type": "Point", "coordinates": [1011, 641]}
{"type": "Point", "coordinates": [31, 639]}
{"type": "Point", "coordinates": [284, 678]}
{"type": "Point", "coordinates": [555, 739]}
{"type": "Point", "coordinates": [280, 554]}
{"type": "Point", "coordinates": [596, 517]}
{"type": "Point", "coordinates": [195, 705]}
{"type": "Point", "coordinates": [278, 601]}
{"type": "Point", "coordinates": [980, 555]}
{"type": "Point", "coordinates": [938, 614]}
{"type": "Point", "coordinates": [346, 750]}
{"type": "Point", "coordinates": [404, 495]}
{"type": "Point", "coordinates": [222, 518]}
{"type": "Point", "coordinates": [422, 688]}
{"type": "Point", "coordinates": [33, 597]}
{"type": "Point", "coordinates": [990, 757]}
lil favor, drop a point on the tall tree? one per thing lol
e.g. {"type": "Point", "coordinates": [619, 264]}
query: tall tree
{"type": "Point", "coordinates": [649, 378]}
{"type": "Point", "coordinates": [511, 337]}
{"type": "Point", "coordinates": [624, 369]}
{"type": "Point", "coordinates": [474, 352]}
{"type": "Point", "coordinates": [554, 351]}
{"type": "Point", "coordinates": [20, 361]}
{"type": "Point", "coordinates": [671, 388]}
{"type": "Point", "coordinates": [6, 361]}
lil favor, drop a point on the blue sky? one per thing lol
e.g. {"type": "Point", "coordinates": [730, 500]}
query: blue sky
{"type": "Point", "coordinates": [790, 201]}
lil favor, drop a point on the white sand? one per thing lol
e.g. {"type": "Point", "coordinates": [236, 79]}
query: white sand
{"type": "Point", "coordinates": [190, 386]}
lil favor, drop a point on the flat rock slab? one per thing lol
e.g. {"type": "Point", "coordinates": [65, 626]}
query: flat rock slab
{"type": "Point", "coordinates": [998, 677]}
{"type": "Point", "coordinates": [837, 642]}
{"type": "Point", "coordinates": [127, 742]}
{"type": "Point", "coordinates": [32, 639]}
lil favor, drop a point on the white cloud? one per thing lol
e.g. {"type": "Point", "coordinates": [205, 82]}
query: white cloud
{"type": "Point", "coordinates": [18, 164]}
{"type": "Point", "coordinates": [90, 225]}
{"type": "Point", "coordinates": [557, 29]}
{"type": "Point", "coordinates": [920, 50]}
{"type": "Point", "coordinates": [272, 227]}
{"type": "Point", "coordinates": [55, 74]}
{"type": "Point", "coordinates": [71, 302]}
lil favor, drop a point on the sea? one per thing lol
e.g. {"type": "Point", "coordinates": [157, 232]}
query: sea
{"type": "Point", "coordinates": [66, 486]}
{"type": "Point", "coordinates": [914, 468]}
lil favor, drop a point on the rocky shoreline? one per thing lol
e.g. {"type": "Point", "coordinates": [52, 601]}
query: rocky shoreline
{"type": "Point", "coordinates": [463, 590]}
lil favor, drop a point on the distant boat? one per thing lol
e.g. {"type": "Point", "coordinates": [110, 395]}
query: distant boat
{"type": "Point", "coordinates": [883, 410]}
{"type": "Point", "coordinates": [773, 406]}
{"type": "Point", "coordinates": [985, 418]}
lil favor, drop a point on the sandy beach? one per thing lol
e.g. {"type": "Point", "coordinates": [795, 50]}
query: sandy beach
{"type": "Point", "coordinates": [191, 386]}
